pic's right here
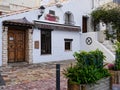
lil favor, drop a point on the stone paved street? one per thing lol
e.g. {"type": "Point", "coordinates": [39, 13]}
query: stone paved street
{"type": "Point", "coordinates": [21, 76]}
{"type": "Point", "coordinates": [33, 77]}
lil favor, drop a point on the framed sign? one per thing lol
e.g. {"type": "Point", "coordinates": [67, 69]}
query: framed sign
{"type": "Point", "coordinates": [11, 38]}
{"type": "Point", "coordinates": [36, 44]}
{"type": "Point", "coordinates": [51, 17]}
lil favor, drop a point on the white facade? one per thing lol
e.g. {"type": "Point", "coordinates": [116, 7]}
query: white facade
{"type": "Point", "coordinates": [58, 51]}
{"type": "Point", "coordinates": [78, 9]}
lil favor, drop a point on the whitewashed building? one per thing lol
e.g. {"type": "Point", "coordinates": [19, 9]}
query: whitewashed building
{"type": "Point", "coordinates": [54, 35]}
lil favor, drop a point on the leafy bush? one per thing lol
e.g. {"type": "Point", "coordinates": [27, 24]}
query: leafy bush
{"type": "Point", "coordinates": [108, 16]}
{"type": "Point", "coordinates": [117, 60]}
{"type": "Point", "coordinates": [94, 58]}
{"type": "Point", "coordinates": [88, 68]}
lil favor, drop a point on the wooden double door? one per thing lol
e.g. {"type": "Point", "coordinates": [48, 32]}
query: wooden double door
{"type": "Point", "coordinates": [16, 45]}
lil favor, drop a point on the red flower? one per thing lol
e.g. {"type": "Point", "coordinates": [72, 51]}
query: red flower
{"type": "Point", "coordinates": [110, 66]}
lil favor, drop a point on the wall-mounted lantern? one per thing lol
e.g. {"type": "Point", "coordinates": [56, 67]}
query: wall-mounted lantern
{"type": "Point", "coordinates": [41, 10]}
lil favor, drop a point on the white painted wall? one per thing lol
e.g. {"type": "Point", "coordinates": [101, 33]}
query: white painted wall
{"type": "Point", "coordinates": [78, 8]}
{"type": "Point", "coordinates": [58, 52]}
{"type": "Point", "coordinates": [58, 36]}
{"type": "Point", "coordinates": [110, 57]}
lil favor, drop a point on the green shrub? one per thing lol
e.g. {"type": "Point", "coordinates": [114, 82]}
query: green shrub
{"type": "Point", "coordinates": [117, 59]}
{"type": "Point", "coordinates": [88, 68]}
{"type": "Point", "coordinates": [86, 75]}
{"type": "Point", "coordinates": [94, 58]}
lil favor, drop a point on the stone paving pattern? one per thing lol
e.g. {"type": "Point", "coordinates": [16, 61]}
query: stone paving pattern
{"type": "Point", "coordinates": [40, 76]}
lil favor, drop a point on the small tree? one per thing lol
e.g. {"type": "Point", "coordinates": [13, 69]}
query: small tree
{"type": "Point", "coordinates": [108, 16]}
{"type": "Point", "coordinates": [117, 59]}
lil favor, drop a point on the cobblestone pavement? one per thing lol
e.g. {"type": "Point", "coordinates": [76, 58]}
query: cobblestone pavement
{"type": "Point", "coordinates": [40, 76]}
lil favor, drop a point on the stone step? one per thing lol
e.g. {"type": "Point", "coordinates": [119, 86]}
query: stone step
{"type": "Point", "coordinates": [107, 42]}
{"type": "Point", "coordinates": [109, 45]}
{"type": "Point", "coordinates": [4, 74]}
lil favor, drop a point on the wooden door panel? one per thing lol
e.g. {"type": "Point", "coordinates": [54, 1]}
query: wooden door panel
{"type": "Point", "coordinates": [11, 46]}
{"type": "Point", "coordinates": [20, 52]}
{"type": "Point", "coordinates": [20, 56]}
{"type": "Point", "coordinates": [16, 45]}
{"type": "Point", "coordinates": [11, 56]}
{"type": "Point", "coordinates": [20, 46]}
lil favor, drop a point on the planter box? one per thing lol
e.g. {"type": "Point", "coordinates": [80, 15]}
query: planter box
{"type": "Point", "coordinates": [115, 78]}
{"type": "Point", "coordinates": [103, 84]}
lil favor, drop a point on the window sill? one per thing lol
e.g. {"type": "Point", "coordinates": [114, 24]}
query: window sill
{"type": "Point", "coordinates": [45, 54]}
{"type": "Point", "coordinates": [68, 50]}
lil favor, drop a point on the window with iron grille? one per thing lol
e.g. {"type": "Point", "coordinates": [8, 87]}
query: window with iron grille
{"type": "Point", "coordinates": [69, 19]}
{"type": "Point", "coordinates": [45, 41]}
{"type": "Point", "coordinates": [68, 44]}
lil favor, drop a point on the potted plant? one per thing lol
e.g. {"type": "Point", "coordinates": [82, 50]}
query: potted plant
{"type": "Point", "coordinates": [88, 72]}
{"type": "Point", "coordinates": [115, 68]}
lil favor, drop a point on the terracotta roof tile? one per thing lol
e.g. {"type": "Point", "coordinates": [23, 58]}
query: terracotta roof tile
{"type": "Point", "coordinates": [21, 20]}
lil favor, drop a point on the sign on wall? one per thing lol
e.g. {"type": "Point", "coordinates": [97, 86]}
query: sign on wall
{"type": "Point", "coordinates": [51, 17]}
{"type": "Point", "coordinates": [36, 44]}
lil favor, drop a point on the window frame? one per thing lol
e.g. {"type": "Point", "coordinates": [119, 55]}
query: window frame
{"type": "Point", "coordinates": [52, 12]}
{"type": "Point", "coordinates": [69, 18]}
{"type": "Point", "coordinates": [46, 42]}
{"type": "Point", "coordinates": [66, 41]}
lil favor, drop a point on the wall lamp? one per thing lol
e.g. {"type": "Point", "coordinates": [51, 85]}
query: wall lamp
{"type": "Point", "coordinates": [41, 10]}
